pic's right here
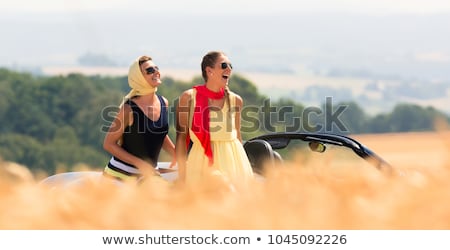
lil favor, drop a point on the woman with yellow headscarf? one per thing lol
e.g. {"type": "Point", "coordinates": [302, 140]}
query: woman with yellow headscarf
{"type": "Point", "coordinates": [139, 130]}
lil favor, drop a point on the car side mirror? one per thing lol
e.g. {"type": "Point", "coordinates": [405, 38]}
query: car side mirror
{"type": "Point", "coordinates": [316, 146]}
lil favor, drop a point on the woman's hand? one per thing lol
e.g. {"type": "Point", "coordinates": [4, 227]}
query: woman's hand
{"type": "Point", "coordinates": [173, 163]}
{"type": "Point", "coordinates": [147, 169]}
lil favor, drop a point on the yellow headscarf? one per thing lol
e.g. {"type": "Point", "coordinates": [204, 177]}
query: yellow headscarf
{"type": "Point", "coordinates": [139, 86]}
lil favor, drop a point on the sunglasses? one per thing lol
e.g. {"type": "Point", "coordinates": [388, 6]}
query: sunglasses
{"type": "Point", "coordinates": [151, 70]}
{"type": "Point", "coordinates": [224, 65]}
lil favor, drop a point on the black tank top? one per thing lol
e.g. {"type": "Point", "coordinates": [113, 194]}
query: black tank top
{"type": "Point", "coordinates": [145, 137]}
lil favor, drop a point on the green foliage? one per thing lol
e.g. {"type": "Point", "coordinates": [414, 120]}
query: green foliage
{"type": "Point", "coordinates": [353, 117]}
{"type": "Point", "coordinates": [407, 117]}
{"type": "Point", "coordinates": [23, 149]}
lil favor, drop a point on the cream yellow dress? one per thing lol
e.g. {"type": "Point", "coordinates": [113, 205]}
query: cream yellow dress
{"type": "Point", "coordinates": [230, 159]}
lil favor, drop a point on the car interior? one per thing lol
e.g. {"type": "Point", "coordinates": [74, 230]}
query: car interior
{"type": "Point", "coordinates": [261, 154]}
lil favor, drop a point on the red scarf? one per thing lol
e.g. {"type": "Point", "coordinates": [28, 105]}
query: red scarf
{"type": "Point", "coordinates": [200, 119]}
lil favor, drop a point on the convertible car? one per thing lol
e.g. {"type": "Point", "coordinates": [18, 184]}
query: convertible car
{"type": "Point", "coordinates": [272, 150]}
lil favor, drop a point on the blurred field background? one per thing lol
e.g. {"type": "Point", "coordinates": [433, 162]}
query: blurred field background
{"type": "Point", "coordinates": [297, 196]}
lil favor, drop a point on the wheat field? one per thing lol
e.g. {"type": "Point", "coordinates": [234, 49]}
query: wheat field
{"type": "Point", "coordinates": [296, 196]}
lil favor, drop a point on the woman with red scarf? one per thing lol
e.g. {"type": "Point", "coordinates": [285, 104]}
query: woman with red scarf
{"type": "Point", "coordinates": [209, 141]}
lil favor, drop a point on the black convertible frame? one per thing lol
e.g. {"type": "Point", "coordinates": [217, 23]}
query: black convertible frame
{"type": "Point", "coordinates": [281, 140]}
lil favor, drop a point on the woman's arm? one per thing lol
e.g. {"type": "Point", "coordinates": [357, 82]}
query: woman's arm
{"type": "Point", "coordinates": [169, 147]}
{"type": "Point", "coordinates": [237, 119]}
{"type": "Point", "coordinates": [182, 120]}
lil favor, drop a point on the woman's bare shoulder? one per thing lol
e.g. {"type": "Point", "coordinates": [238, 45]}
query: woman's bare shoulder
{"type": "Point", "coordinates": [187, 94]}
{"type": "Point", "coordinates": [237, 97]}
{"type": "Point", "coordinates": [126, 108]}
{"type": "Point", "coordinates": [185, 97]}
{"type": "Point", "coordinates": [165, 100]}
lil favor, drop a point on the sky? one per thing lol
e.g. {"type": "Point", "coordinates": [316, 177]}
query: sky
{"type": "Point", "coordinates": [223, 6]}
{"type": "Point", "coordinates": [322, 32]}
{"type": "Point", "coordinates": [325, 34]}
